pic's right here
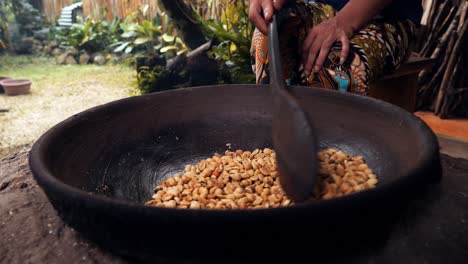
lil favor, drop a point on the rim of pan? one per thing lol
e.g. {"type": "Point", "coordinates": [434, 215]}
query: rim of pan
{"type": "Point", "coordinates": [44, 176]}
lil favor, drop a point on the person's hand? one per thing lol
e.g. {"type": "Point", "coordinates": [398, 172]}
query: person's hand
{"type": "Point", "coordinates": [319, 41]}
{"type": "Point", "coordinates": [261, 12]}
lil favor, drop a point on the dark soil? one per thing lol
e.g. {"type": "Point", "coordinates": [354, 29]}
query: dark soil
{"type": "Point", "coordinates": [433, 229]}
{"type": "Point", "coordinates": [30, 230]}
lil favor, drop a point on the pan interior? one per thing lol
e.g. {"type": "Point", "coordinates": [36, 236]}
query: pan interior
{"type": "Point", "coordinates": [125, 148]}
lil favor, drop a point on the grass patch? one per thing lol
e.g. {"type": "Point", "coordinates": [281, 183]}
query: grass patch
{"type": "Point", "coordinates": [58, 92]}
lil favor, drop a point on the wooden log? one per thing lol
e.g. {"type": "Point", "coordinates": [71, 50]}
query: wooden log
{"type": "Point", "coordinates": [182, 58]}
{"type": "Point", "coordinates": [195, 68]}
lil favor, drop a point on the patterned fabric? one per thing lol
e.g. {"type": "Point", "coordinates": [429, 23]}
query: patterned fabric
{"type": "Point", "coordinates": [400, 9]}
{"type": "Point", "coordinates": [378, 48]}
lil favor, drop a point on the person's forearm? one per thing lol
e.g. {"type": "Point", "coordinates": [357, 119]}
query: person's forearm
{"type": "Point", "coordinates": [356, 13]}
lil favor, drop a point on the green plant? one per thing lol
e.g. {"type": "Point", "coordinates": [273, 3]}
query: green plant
{"type": "Point", "coordinates": [6, 15]}
{"type": "Point", "coordinates": [144, 36]}
{"type": "Point", "coordinates": [160, 78]}
{"type": "Point", "coordinates": [171, 46]}
{"type": "Point", "coordinates": [233, 31]}
{"type": "Point", "coordinates": [138, 37]}
{"type": "Point", "coordinates": [27, 17]}
{"type": "Point", "coordinates": [93, 36]}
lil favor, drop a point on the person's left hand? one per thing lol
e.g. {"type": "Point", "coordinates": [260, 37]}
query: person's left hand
{"type": "Point", "coordinates": [319, 41]}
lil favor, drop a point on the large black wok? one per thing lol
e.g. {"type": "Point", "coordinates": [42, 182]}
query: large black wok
{"type": "Point", "coordinates": [99, 167]}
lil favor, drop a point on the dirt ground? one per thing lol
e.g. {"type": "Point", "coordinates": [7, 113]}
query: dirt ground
{"type": "Point", "coordinates": [30, 230]}
{"type": "Point", "coordinates": [58, 92]}
{"type": "Point", "coordinates": [431, 230]}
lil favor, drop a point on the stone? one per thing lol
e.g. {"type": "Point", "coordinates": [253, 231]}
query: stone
{"type": "Point", "coordinates": [115, 59]}
{"type": "Point", "coordinates": [37, 49]}
{"type": "Point", "coordinates": [72, 51]}
{"type": "Point", "coordinates": [93, 55]}
{"type": "Point", "coordinates": [84, 58]}
{"type": "Point", "coordinates": [25, 46]}
{"type": "Point", "coordinates": [62, 58]}
{"type": "Point", "coordinates": [100, 59]}
{"type": "Point", "coordinates": [126, 56]}
{"type": "Point", "coordinates": [51, 45]}
{"type": "Point", "coordinates": [70, 60]}
{"type": "Point", "coordinates": [56, 52]}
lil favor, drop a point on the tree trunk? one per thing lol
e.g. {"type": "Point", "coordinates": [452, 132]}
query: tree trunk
{"type": "Point", "coordinates": [186, 23]}
{"type": "Point", "coordinates": [39, 5]}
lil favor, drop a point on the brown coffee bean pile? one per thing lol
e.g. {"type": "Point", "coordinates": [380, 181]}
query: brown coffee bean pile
{"type": "Point", "coordinates": [245, 179]}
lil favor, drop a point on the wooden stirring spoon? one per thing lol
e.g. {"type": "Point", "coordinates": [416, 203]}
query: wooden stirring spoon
{"type": "Point", "coordinates": [294, 138]}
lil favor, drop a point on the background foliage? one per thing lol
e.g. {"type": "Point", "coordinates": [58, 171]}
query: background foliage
{"type": "Point", "coordinates": [152, 35]}
{"type": "Point", "coordinates": [24, 17]}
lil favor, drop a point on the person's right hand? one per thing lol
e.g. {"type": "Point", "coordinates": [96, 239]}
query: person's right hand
{"type": "Point", "coordinates": [261, 12]}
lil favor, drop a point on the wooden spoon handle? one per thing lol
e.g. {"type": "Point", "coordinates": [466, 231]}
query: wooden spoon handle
{"type": "Point", "coordinates": [276, 72]}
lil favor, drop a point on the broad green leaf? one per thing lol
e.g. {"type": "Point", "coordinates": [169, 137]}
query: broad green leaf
{"type": "Point", "coordinates": [129, 49]}
{"type": "Point", "coordinates": [115, 44]}
{"type": "Point", "coordinates": [142, 40]}
{"type": "Point", "coordinates": [133, 27]}
{"type": "Point", "coordinates": [77, 26]}
{"type": "Point", "coordinates": [122, 46]}
{"type": "Point", "coordinates": [85, 39]}
{"type": "Point", "coordinates": [168, 38]}
{"type": "Point", "coordinates": [124, 27]}
{"type": "Point", "coordinates": [168, 48]}
{"type": "Point", "coordinates": [88, 25]}
{"type": "Point", "coordinates": [140, 29]}
{"type": "Point", "coordinates": [180, 41]}
{"type": "Point", "coordinates": [148, 26]}
{"type": "Point", "coordinates": [130, 34]}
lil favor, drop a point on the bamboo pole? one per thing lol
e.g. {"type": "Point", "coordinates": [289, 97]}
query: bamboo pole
{"type": "Point", "coordinates": [441, 44]}
{"type": "Point", "coordinates": [431, 88]}
{"type": "Point", "coordinates": [430, 39]}
{"type": "Point", "coordinates": [446, 107]}
{"type": "Point", "coordinates": [462, 16]}
{"type": "Point", "coordinates": [427, 4]}
{"type": "Point", "coordinates": [449, 70]}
